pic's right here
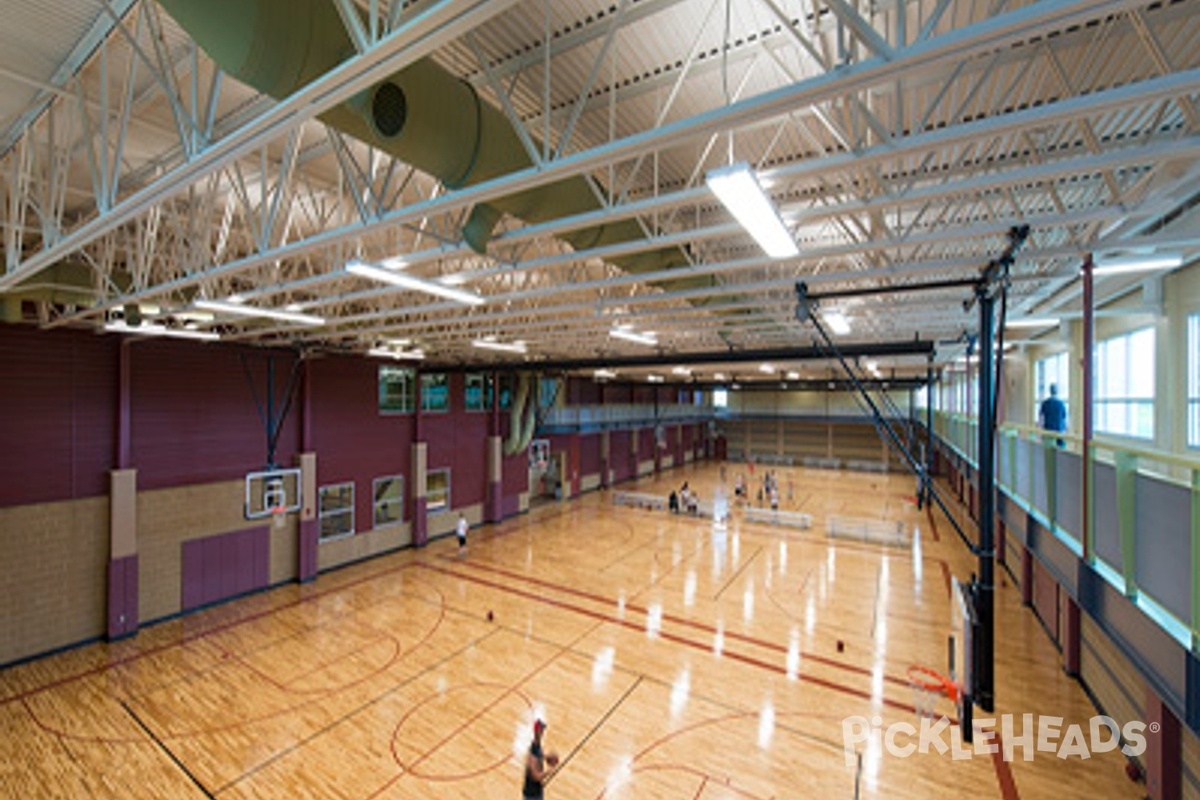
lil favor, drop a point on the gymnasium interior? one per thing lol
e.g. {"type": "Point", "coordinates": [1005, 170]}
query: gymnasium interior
{"type": "Point", "coordinates": [817, 381]}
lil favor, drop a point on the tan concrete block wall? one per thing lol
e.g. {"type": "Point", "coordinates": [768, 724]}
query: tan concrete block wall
{"type": "Point", "coordinates": [336, 552]}
{"type": "Point", "coordinates": [169, 517]}
{"type": "Point", "coordinates": [645, 467]}
{"type": "Point", "coordinates": [589, 482]}
{"type": "Point", "coordinates": [54, 585]}
{"type": "Point", "coordinates": [285, 556]}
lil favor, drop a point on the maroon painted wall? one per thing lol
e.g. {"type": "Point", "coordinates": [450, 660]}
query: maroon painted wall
{"type": "Point", "coordinates": [194, 415]}
{"type": "Point", "coordinates": [352, 439]}
{"type": "Point", "coordinates": [582, 391]}
{"type": "Point", "coordinates": [589, 454]}
{"type": "Point", "coordinates": [618, 455]}
{"type": "Point", "coordinates": [58, 410]}
{"type": "Point", "coordinates": [457, 440]}
{"type": "Point", "coordinates": [646, 444]}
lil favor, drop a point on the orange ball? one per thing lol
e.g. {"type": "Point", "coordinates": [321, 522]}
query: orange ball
{"type": "Point", "coordinates": [552, 759]}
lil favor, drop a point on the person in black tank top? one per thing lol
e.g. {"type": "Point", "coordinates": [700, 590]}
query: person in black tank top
{"type": "Point", "coordinates": [536, 772]}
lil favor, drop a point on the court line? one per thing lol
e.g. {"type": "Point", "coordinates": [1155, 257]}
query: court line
{"type": "Point", "coordinates": [158, 742]}
{"type": "Point", "coordinates": [1004, 775]}
{"type": "Point", "coordinates": [354, 711]}
{"type": "Point", "coordinates": [731, 654]}
{"type": "Point", "coordinates": [599, 724]}
{"type": "Point", "coordinates": [766, 645]}
{"type": "Point", "coordinates": [739, 571]}
{"type": "Point", "coordinates": [202, 634]}
{"type": "Point", "coordinates": [565, 649]}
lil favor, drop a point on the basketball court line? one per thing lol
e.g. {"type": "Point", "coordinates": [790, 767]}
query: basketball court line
{"type": "Point", "coordinates": [683, 621]}
{"type": "Point", "coordinates": [167, 751]}
{"type": "Point", "coordinates": [639, 678]}
{"type": "Point", "coordinates": [705, 647]}
{"type": "Point", "coordinates": [562, 650]}
{"type": "Point", "coordinates": [401, 684]}
{"type": "Point", "coordinates": [740, 570]}
{"type": "Point", "coordinates": [202, 634]}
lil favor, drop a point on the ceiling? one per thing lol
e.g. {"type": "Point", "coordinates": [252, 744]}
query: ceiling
{"type": "Point", "coordinates": [901, 141]}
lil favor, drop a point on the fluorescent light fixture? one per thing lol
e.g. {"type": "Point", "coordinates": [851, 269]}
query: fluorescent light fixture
{"type": "Point", "coordinates": [406, 281]}
{"type": "Point", "coordinates": [766, 368]}
{"type": "Point", "coordinates": [655, 378]}
{"type": "Point", "coordinates": [793, 376]}
{"type": "Point", "coordinates": [604, 374]}
{"type": "Point", "coordinates": [681, 371]}
{"type": "Point", "coordinates": [236, 298]}
{"type": "Point", "coordinates": [254, 311]}
{"type": "Point", "coordinates": [490, 343]}
{"type": "Point", "coordinates": [1032, 322]}
{"type": "Point", "coordinates": [294, 307]}
{"type": "Point", "coordinates": [399, 355]}
{"type": "Point", "coordinates": [719, 376]}
{"type": "Point", "coordinates": [148, 329]}
{"type": "Point", "coordinates": [836, 321]}
{"type": "Point", "coordinates": [737, 187]}
{"type": "Point", "coordinates": [1124, 264]}
{"type": "Point", "coordinates": [628, 335]}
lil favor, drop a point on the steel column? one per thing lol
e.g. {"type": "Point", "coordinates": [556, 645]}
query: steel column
{"type": "Point", "coordinates": [984, 668]}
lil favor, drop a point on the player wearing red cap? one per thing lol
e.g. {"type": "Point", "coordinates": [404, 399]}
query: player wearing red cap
{"type": "Point", "coordinates": [537, 767]}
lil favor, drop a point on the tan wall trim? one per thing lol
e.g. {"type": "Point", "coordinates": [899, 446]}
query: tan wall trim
{"type": "Point", "coordinates": [123, 513]}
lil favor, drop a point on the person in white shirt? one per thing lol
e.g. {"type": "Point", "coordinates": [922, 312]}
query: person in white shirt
{"type": "Point", "coordinates": [461, 532]}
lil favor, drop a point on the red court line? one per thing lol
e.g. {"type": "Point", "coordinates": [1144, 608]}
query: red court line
{"type": "Point", "coordinates": [1004, 776]}
{"type": "Point", "coordinates": [932, 523]}
{"type": "Point", "coordinates": [466, 723]}
{"type": "Point", "coordinates": [820, 659]}
{"type": "Point", "coordinates": [676, 638]}
{"type": "Point", "coordinates": [199, 635]}
{"type": "Point", "coordinates": [313, 697]}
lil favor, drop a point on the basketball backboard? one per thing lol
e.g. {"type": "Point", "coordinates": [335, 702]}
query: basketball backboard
{"type": "Point", "coordinates": [272, 492]}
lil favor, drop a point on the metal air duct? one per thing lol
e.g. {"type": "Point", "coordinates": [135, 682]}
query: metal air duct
{"type": "Point", "coordinates": [422, 115]}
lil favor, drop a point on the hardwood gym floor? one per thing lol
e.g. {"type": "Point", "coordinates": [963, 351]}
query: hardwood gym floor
{"type": "Point", "coordinates": [672, 658]}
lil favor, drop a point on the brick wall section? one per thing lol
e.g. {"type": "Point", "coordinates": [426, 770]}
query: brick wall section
{"type": "Point", "coordinates": [363, 545]}
{"type": "Point", "coordinates": [55, 576]}
{"type": "Point", "coordinates": [169, 517]}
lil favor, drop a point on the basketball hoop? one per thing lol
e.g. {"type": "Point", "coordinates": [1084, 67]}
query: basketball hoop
{"type": "Point", "coordinates": [928, 685]}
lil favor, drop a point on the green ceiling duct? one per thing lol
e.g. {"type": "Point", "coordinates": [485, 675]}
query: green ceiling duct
{"type": "Point", "coordinates": [423, 115]}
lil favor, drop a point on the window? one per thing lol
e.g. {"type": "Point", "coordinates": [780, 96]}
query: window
{"type": "Point", "coordinates": [1193, 397]}
{"type": "Point", "coordinates": [395, 390]}
{"type": "Point", "coordinates": [437, 491]}
{"type": "Point", "coordinates": [547, 392]}
{"type": "Point", "coordinates": [1052, 371]}
{"type": "Point", "coordinates": [506, 391]}
{"type": "Point", "coordinates": [477, 393]}
{"type": "Point", "coordinates": [336, 510]}
{"type": "Point", "coordinates": [435, 392]}
{"type": "Point", "coordinates": [1125, 385]}
{"type": "Point", "coordinates": [720, 398]}
{"type": "Point", "coordinates": [389, 500]}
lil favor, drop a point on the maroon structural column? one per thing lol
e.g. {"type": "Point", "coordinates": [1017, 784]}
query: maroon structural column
{"type": "Point", "coordinates": [1164, 767]}
{"type": "Point", "coordinates": [122, 600]}
{"type": "Point", "coordinates": [310, 524]}
{"type": "Point", "coordinates": [1070, 636]}
{"type": "Point", "coordinates": [1026, 577]}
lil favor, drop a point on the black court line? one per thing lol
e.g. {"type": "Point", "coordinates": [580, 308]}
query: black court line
{"type": "Point", "coordinates": [595, 728]}
{"type": "Point", "coordinates": [166, 750]}
{"type": "Point", "coordinates": [354, 711]}
{"type": "Point", "coordinates": [735, 575]}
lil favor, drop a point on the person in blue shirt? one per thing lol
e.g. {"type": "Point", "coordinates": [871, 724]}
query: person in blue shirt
{"type": "Point", "coordinates": [1052, 414]}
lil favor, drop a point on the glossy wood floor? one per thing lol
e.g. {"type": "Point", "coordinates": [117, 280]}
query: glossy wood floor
{"type": "Point", "coordinates": [672, 658]}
